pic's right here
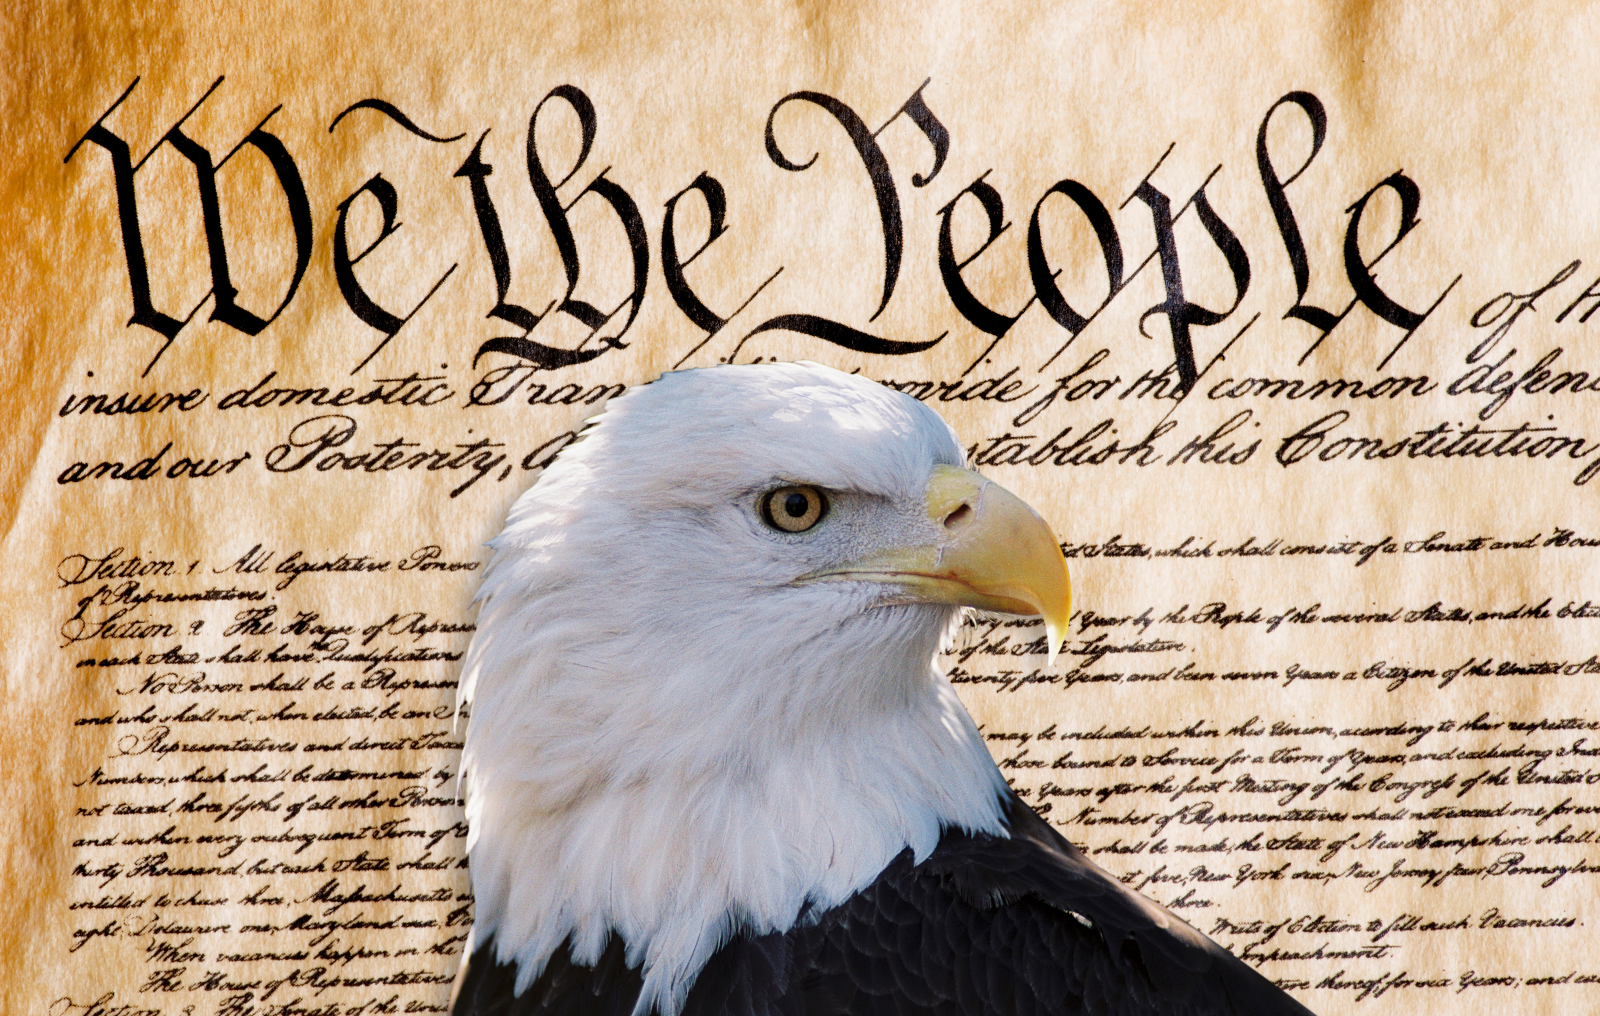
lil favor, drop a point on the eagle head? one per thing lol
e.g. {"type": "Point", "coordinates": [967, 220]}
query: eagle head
{"type": "Point", "coordinates": [702, 690]}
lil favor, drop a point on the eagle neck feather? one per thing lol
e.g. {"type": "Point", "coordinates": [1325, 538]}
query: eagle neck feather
{"type": "Point", "coordinates": [592, 816]}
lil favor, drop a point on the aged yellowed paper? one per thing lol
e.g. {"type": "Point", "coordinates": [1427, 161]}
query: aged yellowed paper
{"type": "Point", "coordinates": [1282, 314]}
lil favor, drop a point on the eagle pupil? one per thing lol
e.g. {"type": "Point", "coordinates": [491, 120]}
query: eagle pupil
{"type": "Point", "coordinates": [796, 505]}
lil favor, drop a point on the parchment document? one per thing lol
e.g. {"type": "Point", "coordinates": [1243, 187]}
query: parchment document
{"type": "Point", "coordinates": [1284, 316]}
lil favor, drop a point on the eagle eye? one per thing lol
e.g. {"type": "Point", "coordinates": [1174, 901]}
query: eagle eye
{"type": "Point", "coordinates": [793, 509]}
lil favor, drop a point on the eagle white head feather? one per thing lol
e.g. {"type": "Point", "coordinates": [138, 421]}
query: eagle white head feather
{"type": "Point", "coordinates": [687, 721]}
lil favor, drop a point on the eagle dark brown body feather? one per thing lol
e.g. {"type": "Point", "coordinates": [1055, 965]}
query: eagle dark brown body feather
{"type": "Point", "coordinates": [984, 925]}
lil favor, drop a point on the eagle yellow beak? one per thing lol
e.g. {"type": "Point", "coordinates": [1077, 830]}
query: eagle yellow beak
{"type": "Point", "coordinates": [994, 552]}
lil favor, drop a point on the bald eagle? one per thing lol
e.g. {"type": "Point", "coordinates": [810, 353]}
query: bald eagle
{"type": "Point", "coordinates": [711, 766]}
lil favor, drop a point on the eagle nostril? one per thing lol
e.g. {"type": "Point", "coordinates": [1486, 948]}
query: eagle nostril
{"type": "Point", "coordinates": [958, 518]}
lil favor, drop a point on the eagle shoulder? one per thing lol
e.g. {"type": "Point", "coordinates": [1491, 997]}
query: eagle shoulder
{"type": "Point", "coordinates": [984, 925]}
